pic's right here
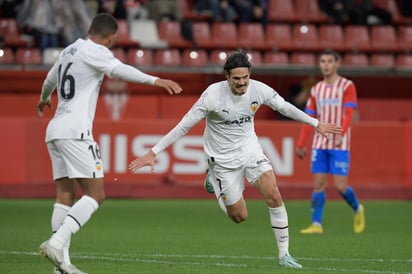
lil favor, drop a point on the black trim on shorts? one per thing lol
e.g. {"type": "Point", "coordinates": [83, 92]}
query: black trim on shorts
{"type": "Point", "coordinates": [211, 160]}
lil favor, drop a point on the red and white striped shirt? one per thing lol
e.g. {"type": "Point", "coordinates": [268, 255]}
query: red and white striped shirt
{"type": "Point", "coordinates": [330, 103]}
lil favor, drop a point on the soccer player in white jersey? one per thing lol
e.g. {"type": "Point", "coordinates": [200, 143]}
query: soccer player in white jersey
{"type": "Point", "coordinates": [232, 148]}
{"type": "Point", "coordinates": [332, 100]}
{"type": "Point", "coordinates": [76, 76]}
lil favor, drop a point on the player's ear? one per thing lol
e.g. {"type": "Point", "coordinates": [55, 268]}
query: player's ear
{"type": "Point", "coordinates": [227, 74]}
{"type": "Point", "coordinates": [111, 39]}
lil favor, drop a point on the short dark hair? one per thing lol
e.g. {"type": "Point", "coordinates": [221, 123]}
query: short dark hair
{"type": "Point", "coordinates": [103, 24]}
{"type": "Point", "coordinates": [237, 59]}
{"type": "Point", "coordinates": [331, 52]}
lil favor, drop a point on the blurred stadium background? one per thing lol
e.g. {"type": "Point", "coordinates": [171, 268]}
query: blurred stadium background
{"type": "Point", "coordinates": [131, 118]}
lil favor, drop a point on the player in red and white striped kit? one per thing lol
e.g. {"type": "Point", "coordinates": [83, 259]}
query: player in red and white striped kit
{"type": "Point", "coordinates": [332, 100]}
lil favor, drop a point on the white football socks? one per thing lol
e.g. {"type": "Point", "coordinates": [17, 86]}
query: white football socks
{"type": "Point", "coordinates": [77, 216]}
{"type": "Point", "coordinates": [279, 222]}
{"type": "Point", "coordinates": [59, 213]}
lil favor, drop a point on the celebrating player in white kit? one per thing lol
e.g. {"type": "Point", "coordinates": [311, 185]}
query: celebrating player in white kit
{"type": "Point", "coordinates": [232, 148]}
{"type": "Point", "coordinates": [76, 76]}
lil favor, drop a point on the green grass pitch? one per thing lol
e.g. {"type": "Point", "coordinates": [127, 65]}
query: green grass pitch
{"type": "Point", "coordinates": [194, 236]}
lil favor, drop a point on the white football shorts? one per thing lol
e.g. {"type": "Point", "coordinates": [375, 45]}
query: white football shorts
{"type": "Point", "coordinates": [229, 184]}
{"type": "Point", "coordinates": [75, 159]}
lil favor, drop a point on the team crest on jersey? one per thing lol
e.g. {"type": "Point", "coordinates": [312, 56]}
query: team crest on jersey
{"type": "Point", "coordinates": [98, 166]}
{"type": "Point", "coordinates": [254, 106]}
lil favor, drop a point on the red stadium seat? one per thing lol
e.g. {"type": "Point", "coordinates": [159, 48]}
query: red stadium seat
{"type": "Point", "coordinates": [404, 61]}
{"type": "Point", "coordinates": [140, 57]}
{"type": "Point", "coordinates": [168, 58]}
{"type": "Point", "coordinates": [331, 37]}
{"type": "Point", "coordinates": [384, 38]}
{"type": "Point", "coordinates": [279, 37]}
{"type": "Point", "coordinates": [7, 56]}
{"type": "Point", "coordinates": [405, 38]}
{"type": "Point", "coordinates": [225, 35]}
{"type": "Point", "coordinates": [355, 60]}
{"type": "Point", "coordinates": [275, 58]}
{"type": "Point", "coordinates": [255, 57]}
{"type": "Point", "coordinates": [382, 60]}
{"type": "Point", "coordinates": [11, 34]}
{"type": "Point", "coordinates": [252, 36]}
{"type": "Point", "coordinates": [29, 56]}
{"type": "Point", "coordinates": [170, 31]}
{"type": "Point", "coordinates": [309, 11]}
{"type": "Point", "coordinates": [218, 57]}
{"type": "Point", "coordinates": [282, 11]}
{"type": "Point", "coordinates": [303, 59]}
{"type": "Point", "coordinates": [306, 37]}
{"type": "Point", "coordinates": [194, 58]}
{"type": "Point", "coordinates": [202, 35]}
{"type": "Point", "coordinates": [357, 38]}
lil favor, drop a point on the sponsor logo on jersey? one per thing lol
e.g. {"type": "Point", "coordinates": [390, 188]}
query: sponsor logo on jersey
{"type": "Point", "coordinates": [239, 121]}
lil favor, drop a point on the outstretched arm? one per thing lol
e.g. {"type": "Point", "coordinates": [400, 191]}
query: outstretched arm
{"type": "Point", "coordinates": [146, 160]}
{"type": "Point", "coordinates": [149, 158]}
{"type": "Point", "coordinates": [132, 74]}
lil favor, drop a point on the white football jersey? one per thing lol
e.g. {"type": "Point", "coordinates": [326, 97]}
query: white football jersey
{"type": "Point", "coordinates": [77, 76]}
{"type": "Point", "coordinates": [229, 136]}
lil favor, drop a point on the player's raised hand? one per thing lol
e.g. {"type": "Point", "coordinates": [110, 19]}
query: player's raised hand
{"type": "Point", "coordinates": [146, 160]}
{"type": "Point", "coordinates": [41, 105]}
{"type": "Point", "coordinates": [326, 128]}
{"type": "Point", "coordinates": [171, 86]}
{"type": "Point", "coordinates": [301, 152]}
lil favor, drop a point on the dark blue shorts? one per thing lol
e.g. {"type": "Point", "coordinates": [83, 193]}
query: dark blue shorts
{"type": "Point", "coordinates": [334, 162]}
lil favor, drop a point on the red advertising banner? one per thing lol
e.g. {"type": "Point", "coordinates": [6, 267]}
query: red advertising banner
{"type": "Point", "coordinates": [381, 152]}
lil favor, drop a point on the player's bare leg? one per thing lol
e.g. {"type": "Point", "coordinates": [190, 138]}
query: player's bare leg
{"type": "Point", "coordinates": [267, 186]}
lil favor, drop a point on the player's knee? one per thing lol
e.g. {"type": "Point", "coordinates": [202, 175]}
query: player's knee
{"type": "Point", "coordinates": [319, 186]}
{"type": "Point", "coordinates": [239, 218]}
{"type": "Point", "coordinates": [340, 186]}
